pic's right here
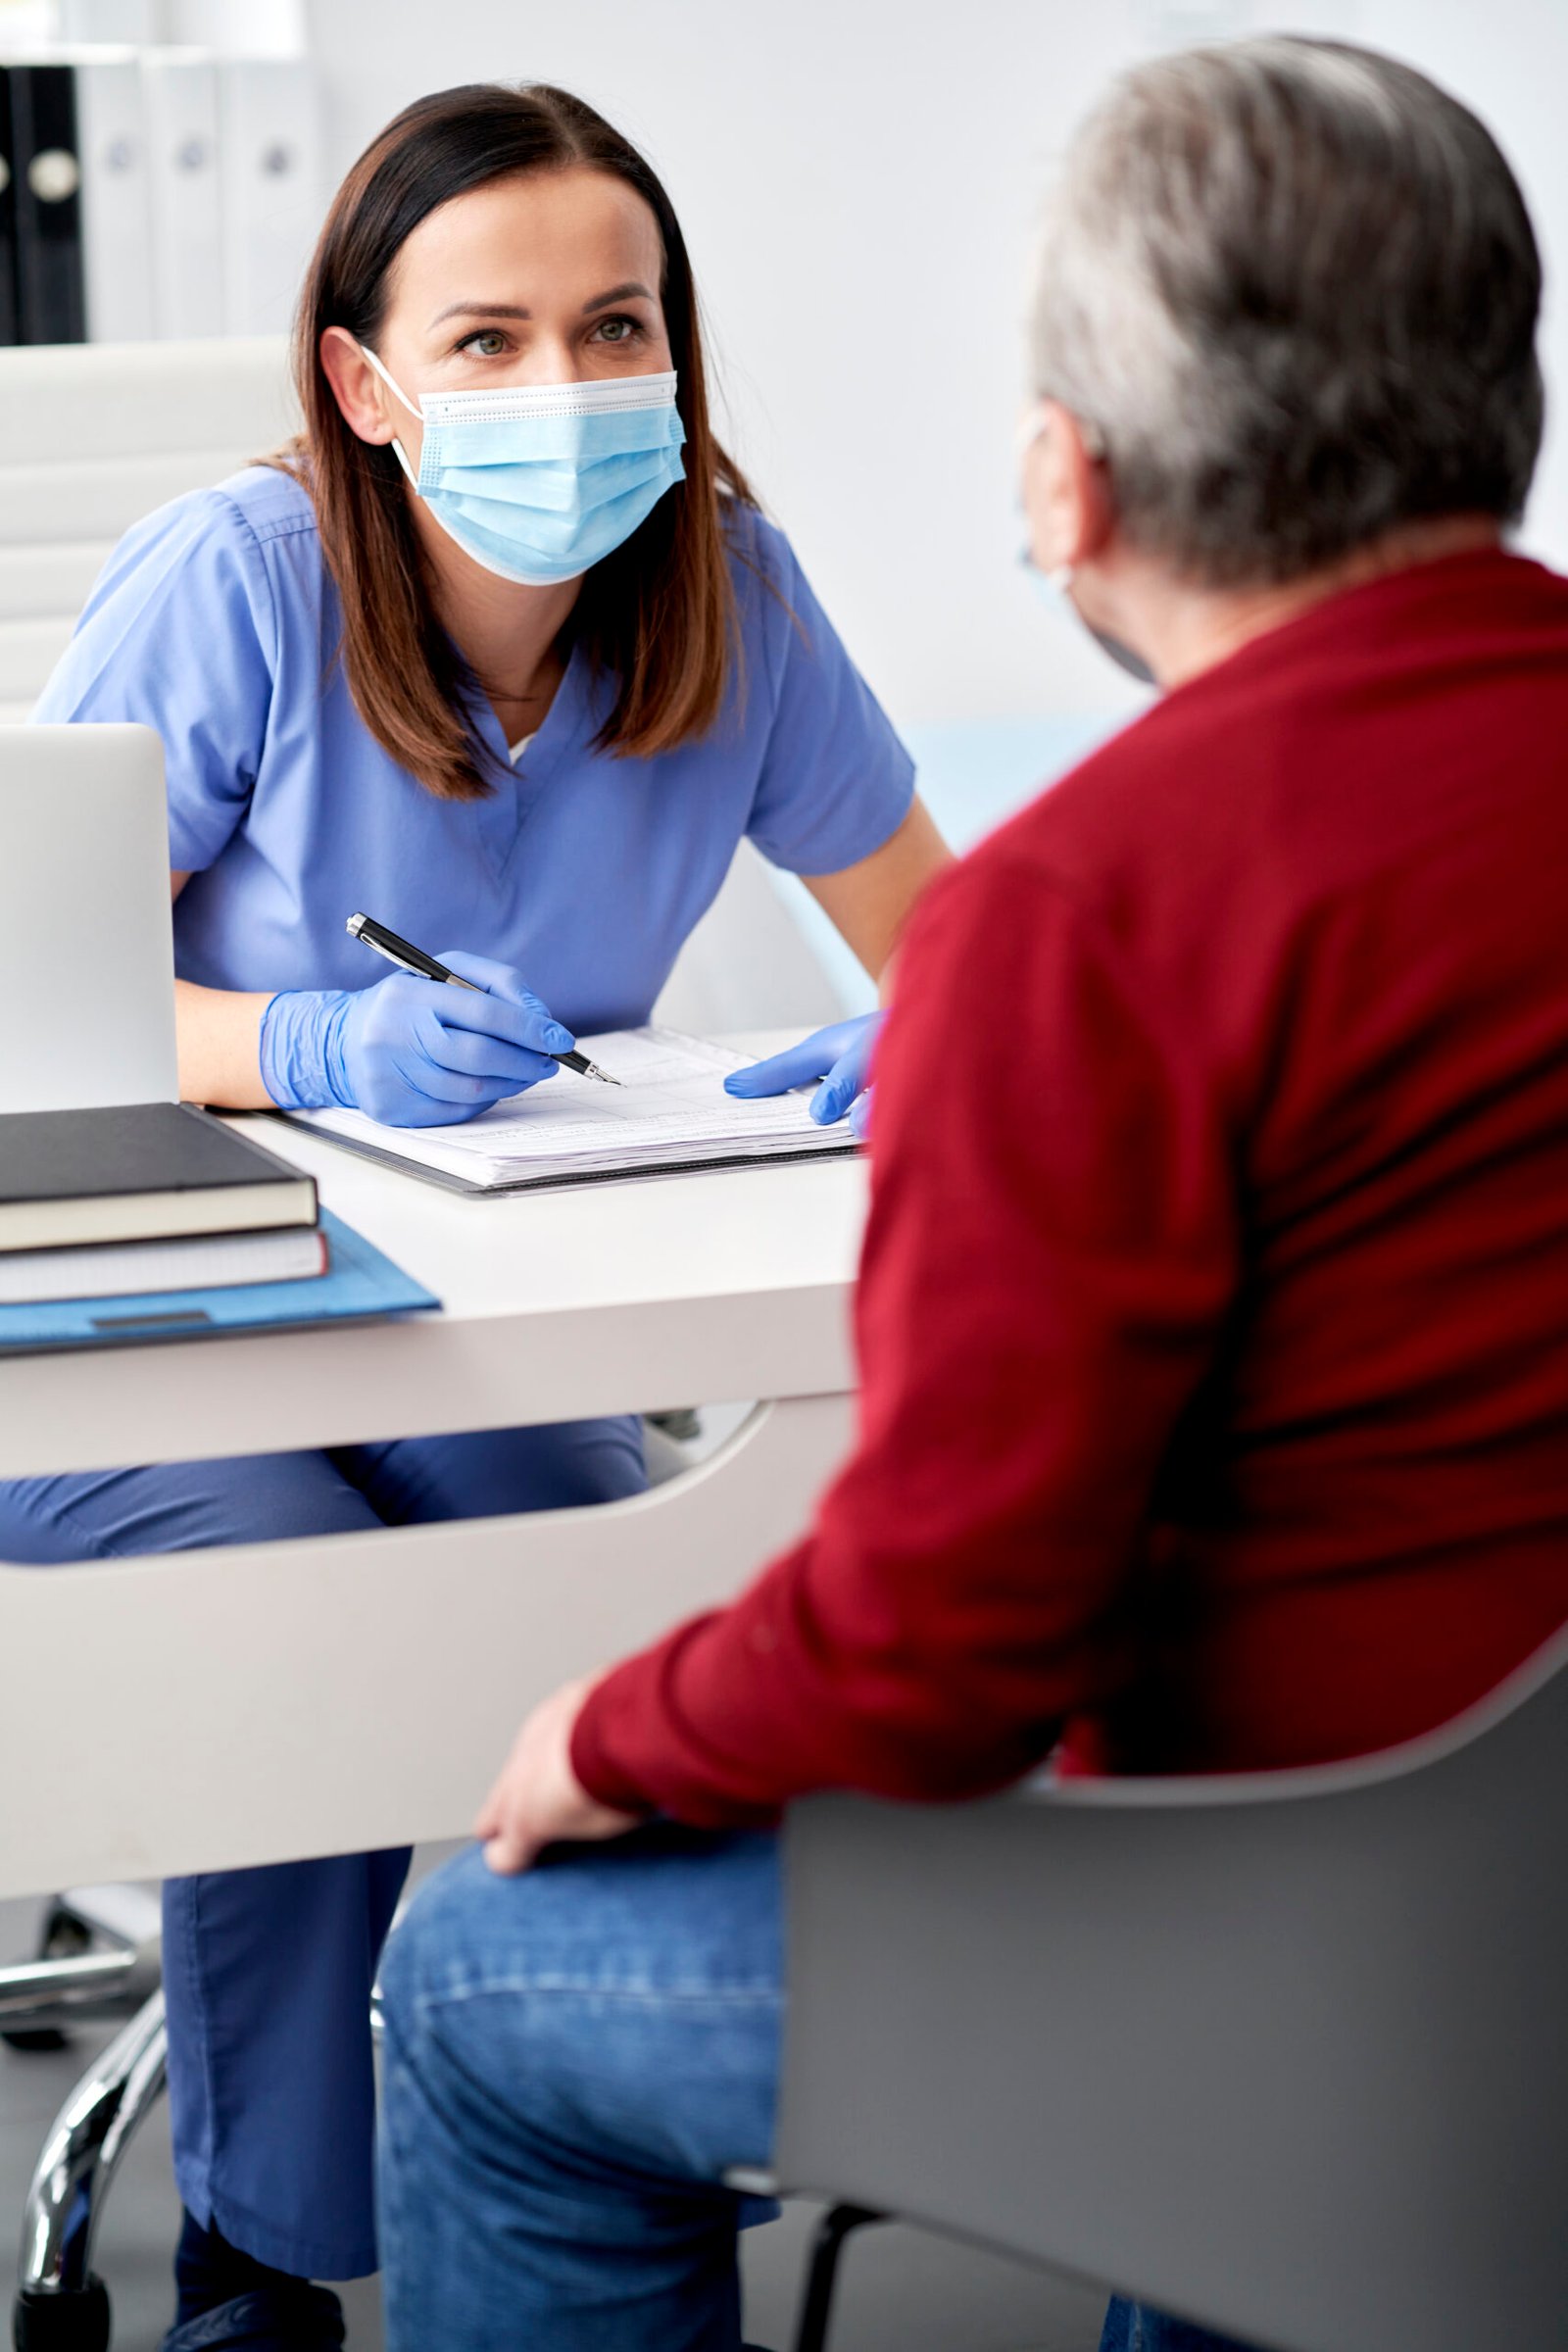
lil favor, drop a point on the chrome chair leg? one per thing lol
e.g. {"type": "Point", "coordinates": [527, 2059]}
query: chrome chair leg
{"type": "Point", "coordinates": [99, 1954]}
{"type": "Point", "coordinates": [60, 2306]}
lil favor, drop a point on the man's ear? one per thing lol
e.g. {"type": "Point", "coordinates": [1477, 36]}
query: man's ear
{"type": "Point", "coordinates": [356, 387]}
{"type": "Point", "coordinates": [1067, 492]}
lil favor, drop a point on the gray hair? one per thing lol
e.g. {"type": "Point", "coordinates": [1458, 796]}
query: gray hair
{"type": "Point", "coordinates": [1292, 287]}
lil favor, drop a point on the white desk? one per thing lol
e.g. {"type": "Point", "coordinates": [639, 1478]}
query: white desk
{"type": "Point", "coordinates": [374, 1681]}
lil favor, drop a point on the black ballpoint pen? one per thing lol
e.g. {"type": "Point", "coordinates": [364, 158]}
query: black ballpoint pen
{"type": "Point", "coordinates": [410, 958]}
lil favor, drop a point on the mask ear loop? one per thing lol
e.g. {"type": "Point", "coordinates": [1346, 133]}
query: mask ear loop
{"type": "Point", "coordinates": [398, 393]}
{"type": "Point", "coordinates": [1031, 425]}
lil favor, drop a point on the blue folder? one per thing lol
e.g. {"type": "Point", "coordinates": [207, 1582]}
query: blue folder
{"type": "Point", "coordinates": [359, 1284]}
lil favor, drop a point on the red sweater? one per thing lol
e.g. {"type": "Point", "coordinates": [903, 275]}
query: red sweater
{"type": "Point", "coordinates": [1213, 1316]}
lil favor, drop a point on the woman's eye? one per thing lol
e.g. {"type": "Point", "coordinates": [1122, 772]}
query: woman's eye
{"type": "Point", "coordinates": [488, 344]}
{"type": "Point", "coordinates": [616, 330]}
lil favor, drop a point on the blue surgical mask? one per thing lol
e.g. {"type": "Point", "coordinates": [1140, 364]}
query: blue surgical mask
{"type": "Point", "coordinates": [539, 482]}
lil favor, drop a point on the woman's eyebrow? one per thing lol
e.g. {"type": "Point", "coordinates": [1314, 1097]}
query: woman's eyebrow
{"type": "Point", "coordinates": [617, 294]}
{"type": "Point", "coordinates": [515, 310]}
{"type": "Point", "coordinates": [481, 310]}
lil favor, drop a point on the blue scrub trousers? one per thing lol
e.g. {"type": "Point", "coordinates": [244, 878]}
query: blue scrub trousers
{"type": "Point", "coordinates": [267, 1972]}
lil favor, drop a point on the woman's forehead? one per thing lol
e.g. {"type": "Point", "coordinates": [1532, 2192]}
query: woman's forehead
{"type": "Point", "coordinates": [535, 238]}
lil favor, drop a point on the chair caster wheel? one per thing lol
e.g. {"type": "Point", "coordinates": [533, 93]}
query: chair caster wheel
{"type": "Point", "coordinates": [45, 2322]}
{"type": "Point", "coordinates": [35, 2037]}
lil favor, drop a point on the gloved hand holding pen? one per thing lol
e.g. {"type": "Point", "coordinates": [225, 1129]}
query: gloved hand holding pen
{"type": "Point", "coordinates": [411, 1051]}
{"type": "Point", "coordinates": [840, 1056]}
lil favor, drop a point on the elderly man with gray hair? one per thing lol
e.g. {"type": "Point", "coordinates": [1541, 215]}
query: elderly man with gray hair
{"type": "Point", "coordinates": [1212, 1313]}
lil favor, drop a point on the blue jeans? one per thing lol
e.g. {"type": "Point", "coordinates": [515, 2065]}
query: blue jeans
{"type": "Point", "coordinates": [1134, 2328]}
{"type": "Point", "coordinates": [573, 2060]}
{"type": "Point", "coordinates": [267, 1972]}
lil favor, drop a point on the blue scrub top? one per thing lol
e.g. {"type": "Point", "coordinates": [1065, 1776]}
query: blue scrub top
{"type": "Point", "coordinates": [215, 621]}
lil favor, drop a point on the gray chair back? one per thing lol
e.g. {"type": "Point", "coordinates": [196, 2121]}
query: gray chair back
{"type": "Point", "coordinates": [1284, 2054]}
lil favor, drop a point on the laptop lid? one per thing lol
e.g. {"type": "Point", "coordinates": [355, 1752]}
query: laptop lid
{"type": "Point", "coordinates": [86, 940]}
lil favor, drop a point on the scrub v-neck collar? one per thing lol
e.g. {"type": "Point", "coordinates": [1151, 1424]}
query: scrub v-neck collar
{"type": "Point", "coordinates": [517, 790]}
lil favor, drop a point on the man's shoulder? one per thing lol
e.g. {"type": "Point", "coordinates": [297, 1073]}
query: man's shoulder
{"type": "Point", "coordinates": [1300, 769]}
{"type": "Point", "coordinates": [1120, 802]}
{"type": "Point", "coordinates": [1158, 844]}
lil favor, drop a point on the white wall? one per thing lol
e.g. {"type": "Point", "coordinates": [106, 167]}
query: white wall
{"type": "Point", "coordinates": [858, 181]}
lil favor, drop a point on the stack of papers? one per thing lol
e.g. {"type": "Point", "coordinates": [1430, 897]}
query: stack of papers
{"type": "Point", "coordinates": [669, 1112]}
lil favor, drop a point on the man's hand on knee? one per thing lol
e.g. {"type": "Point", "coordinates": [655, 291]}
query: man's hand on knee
{"type": "Point", "coordinates": [537, 1798]}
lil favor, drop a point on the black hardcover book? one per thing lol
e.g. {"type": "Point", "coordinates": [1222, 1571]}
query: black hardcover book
{"type": "Point", "coordinates": [146, 1171]}
{"type": "Point", "coordinates": [8, 218]}
{"type": "Point", "coordinates": [47, 183]}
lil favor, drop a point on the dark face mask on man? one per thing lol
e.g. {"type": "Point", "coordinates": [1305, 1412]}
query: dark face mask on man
{"type": "Point", "coordinates": [1056, 583]}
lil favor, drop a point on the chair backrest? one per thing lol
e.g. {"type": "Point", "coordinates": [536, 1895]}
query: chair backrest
{"type": "Point", "coordinates": [748, 964]}
{"type": "Point", "coordinates": [1287, 2056]}
{"type": "Point", "coordinates": [92, 437]}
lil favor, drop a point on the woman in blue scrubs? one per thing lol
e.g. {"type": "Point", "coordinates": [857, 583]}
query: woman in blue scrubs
{"type": "Point", "coordinates": [502, 650]}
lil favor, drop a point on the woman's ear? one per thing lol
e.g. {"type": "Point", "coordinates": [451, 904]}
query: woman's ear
{"type": "Point", "coordinates": [357, 390]}
{"type": "Point", "coordinates": [1067, 492]}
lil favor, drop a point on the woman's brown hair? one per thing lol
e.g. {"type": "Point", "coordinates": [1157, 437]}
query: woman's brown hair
{"type": "Point", "coordinates": [658, 615]}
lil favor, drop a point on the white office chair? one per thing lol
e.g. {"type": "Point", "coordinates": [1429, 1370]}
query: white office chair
{"type": "Point", "coordinates": [94, 436]}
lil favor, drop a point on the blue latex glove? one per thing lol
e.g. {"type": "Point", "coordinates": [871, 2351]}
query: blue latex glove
{"type": "Point", "coordinates": [840, 1056]}
{"type": "Point", "coordinates": [409, 1052]}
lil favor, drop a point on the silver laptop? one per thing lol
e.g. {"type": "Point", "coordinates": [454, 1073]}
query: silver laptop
{"type": "Point", "coordinates": [87, 942]}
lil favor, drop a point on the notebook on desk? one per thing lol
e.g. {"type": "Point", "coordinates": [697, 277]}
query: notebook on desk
{"type": "Point", "coordinates": [668, 1115]}
{"type": "Point", "coordinates": [360, 1285]}
{"type": "Point", "coordinates": [135, 1172]}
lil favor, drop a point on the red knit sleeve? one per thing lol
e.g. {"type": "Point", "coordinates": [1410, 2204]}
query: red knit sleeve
{"type": "Point", "coordinates": [1051, 1250]}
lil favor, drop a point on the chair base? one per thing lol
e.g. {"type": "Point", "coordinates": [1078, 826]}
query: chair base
{"type": "Point", "coordinates": [97, 1957]}
{"type": "Point", "coordinates": [62, 2305]}
{"type": "Point", "coordinates": [62, 2321]}
{"type": "Point", "coordinates": [63, 1936]}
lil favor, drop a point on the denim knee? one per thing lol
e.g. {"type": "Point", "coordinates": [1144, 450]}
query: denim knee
{"type": "Point", "coordinates": [625, 1997]}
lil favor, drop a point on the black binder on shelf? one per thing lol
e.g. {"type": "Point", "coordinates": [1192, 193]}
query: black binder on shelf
{"type": "Point", "coordinates": [8, 219]}
{"type": "Point", "coordinates": [46, 183]}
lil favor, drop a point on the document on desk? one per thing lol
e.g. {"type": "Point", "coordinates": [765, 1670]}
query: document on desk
{"type": "Point", "coordinates": [670, 1114]}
